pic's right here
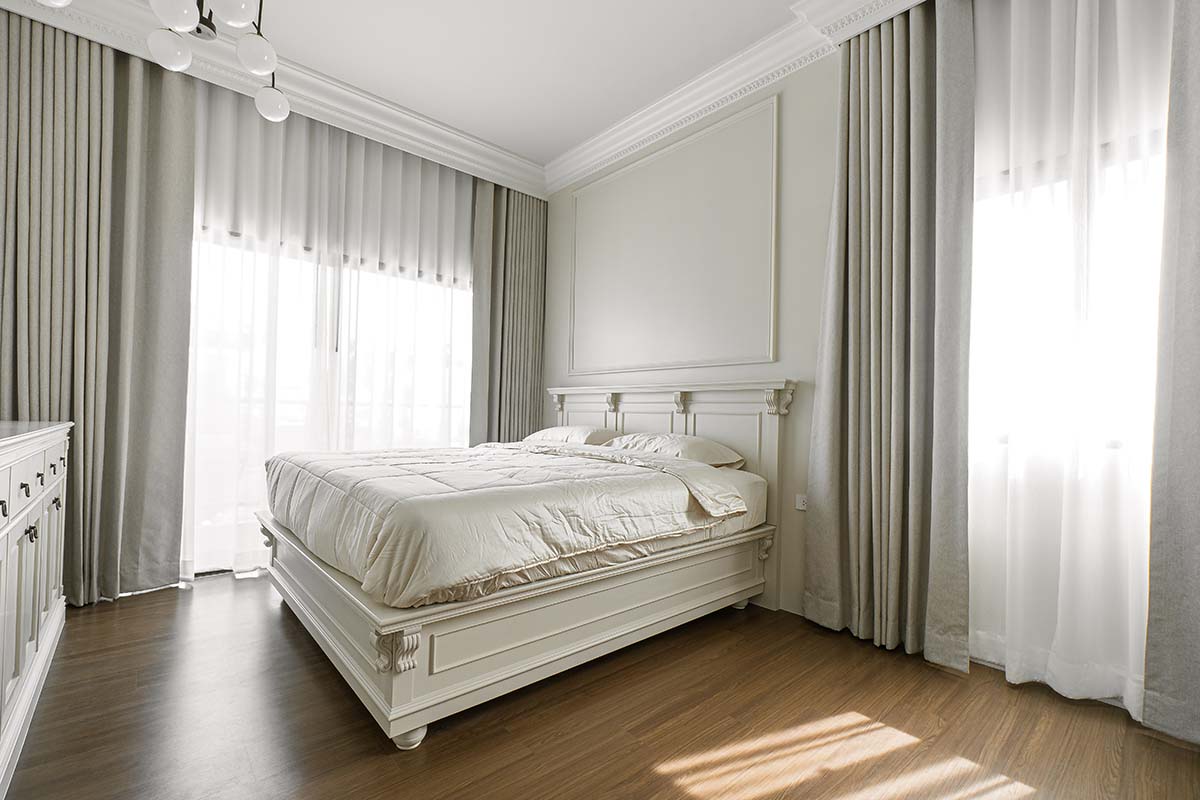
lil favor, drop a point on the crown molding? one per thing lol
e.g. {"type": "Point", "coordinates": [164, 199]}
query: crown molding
{"type": "Point", "coordinates": [820, 26]}
{"type": "Point", "coordinates": [124, 24]}
{"type": "Point", "coordinates": [839, 20]}
{"type": "Point", "coordinates": [770, 59]}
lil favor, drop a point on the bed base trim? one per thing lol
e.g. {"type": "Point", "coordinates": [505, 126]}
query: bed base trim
{"type": "Point", "coordinates": [412, 667]}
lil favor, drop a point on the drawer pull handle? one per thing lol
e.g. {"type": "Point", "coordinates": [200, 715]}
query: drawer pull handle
{"type": "Point", "coordinates": [62, 460]}
{"type": "Point", "coordinates": [25, 488]}
{"type": "Point", "coordinates": [41, 478]}
{"type": "Point", "coordinates": [31, 532]}
{"type": "Point", "coordinates": [3, 508]}
{"type": "Point", "coordinates": [54, 468]}
{"type": "Point", "coordinates": [58, 503]}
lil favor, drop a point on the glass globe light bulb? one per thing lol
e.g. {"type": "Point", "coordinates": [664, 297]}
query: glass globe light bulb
{"type": "Point", "coordinates": [235, 13]}
{"type": "Point", "coordinates": [256, 54]}
{"type": "Point", "coordinates": [272, 104]}
{"type": "Point", "coordinates": [178, 15]}
{"type": "Point", "coordinates": [169, 49]}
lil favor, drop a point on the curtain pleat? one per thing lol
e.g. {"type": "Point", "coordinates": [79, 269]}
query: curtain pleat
{"type": "Point", "coordinates": [510, 283]}
{"type": "Point", "coordinates": [322, 194]}
{"type": "Point", "coordinates": [886, 541]}
{"type": "Point", "coordinates": [1172, 695]}
{"type": "Point", "coordinates": [96, 212]}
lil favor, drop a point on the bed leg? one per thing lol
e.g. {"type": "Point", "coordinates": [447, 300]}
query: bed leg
{"type": "Point", "coordinates": [740, 604]}
{"type": "Point", "coordinates": [410, 740]}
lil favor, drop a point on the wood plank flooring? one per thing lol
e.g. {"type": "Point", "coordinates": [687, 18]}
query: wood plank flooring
{"type": "Point", "coordinates": [218, 693]}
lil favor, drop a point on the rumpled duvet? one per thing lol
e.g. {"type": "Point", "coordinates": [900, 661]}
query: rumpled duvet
{"type": "Point", "coordinates": [432, 526]}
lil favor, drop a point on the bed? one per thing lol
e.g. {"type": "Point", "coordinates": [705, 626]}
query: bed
{"type": "Point", "coordinates": [437, 579]}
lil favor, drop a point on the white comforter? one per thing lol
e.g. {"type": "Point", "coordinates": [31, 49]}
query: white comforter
{"type": "Point", "coordinates": [431, 526]}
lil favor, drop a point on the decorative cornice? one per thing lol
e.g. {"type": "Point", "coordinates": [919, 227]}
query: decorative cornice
{"type": "Point", "coordinates": [820, 26]}
{"type": "Point", "coordinates": [124, 24]}
{"type": "Point", "coordinates": [865, 16]}
{"type": "Point", "coordinates": [764, 63]}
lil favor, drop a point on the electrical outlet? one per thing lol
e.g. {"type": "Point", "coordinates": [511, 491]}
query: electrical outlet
{"type": "Point", "coordinates": [802, 502]}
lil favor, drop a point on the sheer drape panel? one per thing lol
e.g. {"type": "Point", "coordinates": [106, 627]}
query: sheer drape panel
{"type": "Point", "coordinates": [1173, 635]}
{"type": "Point", "coordinates": [315, 192]}
{"type": "Point", "coordinates": [1068, 214]}
{"type": "Point", "coordinates": [886, 544]}
{"type": "Point", "coordinates": [97, 210]}
{"type": "Point", "coordinates": [332, 309]}
{"type": "Point", "coordinates": [510, 280]}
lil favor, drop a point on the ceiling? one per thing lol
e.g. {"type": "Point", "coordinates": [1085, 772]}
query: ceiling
{"type": "Point", "coordinates": [531, 94]}
{"type": "Point", "coordinates": [535, 77]}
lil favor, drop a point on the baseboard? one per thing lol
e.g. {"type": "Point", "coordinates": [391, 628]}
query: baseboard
{"type": "Point", "coordinates": [25, 703]}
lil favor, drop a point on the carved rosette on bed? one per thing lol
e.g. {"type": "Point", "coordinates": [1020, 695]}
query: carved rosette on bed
{"type": "Point", "coordinates": [397, 651]}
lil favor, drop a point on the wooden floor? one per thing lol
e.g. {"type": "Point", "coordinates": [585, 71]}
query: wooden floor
{"type": "Point", "coordinates": [219, 693]}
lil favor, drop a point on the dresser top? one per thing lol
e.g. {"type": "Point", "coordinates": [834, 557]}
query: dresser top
{"type": "Point", "coordinates": [13, 432]}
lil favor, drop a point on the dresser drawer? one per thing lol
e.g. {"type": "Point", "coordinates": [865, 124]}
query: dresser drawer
{"type": "Point", "coordinates": [56, 461]}
{"type": "Point", "coordinates": [27, 479]}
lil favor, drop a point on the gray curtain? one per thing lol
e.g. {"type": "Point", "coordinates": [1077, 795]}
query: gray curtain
{"type": "Point", "coordinates": [97, 160]}
{"type": "Point", "coordinates": [886, 546]}
{"type": "Point", "coordinates": [509, 285]}
{"type": "Point", "coordinates": [1173, 627]}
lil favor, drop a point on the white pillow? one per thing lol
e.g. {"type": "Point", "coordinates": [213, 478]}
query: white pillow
{"type": "Point", "coordinates": [572, 434]}
{"type": "Point", "coordinates": [681, 445]}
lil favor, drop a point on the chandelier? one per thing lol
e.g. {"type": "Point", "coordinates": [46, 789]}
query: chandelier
{"type": "Point", "coordinates": [172, 50]}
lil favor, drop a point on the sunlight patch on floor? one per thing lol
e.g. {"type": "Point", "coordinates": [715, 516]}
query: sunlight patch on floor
{"type": "Point", "coordinates": [828, 751]}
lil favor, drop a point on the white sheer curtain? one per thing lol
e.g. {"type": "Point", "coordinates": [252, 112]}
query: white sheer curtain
{"type": "Point", "coordinates": [331, 310]}
{"type": "Point", "coordinates": [1070, 127]}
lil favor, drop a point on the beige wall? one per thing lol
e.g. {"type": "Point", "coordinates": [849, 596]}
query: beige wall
{"type": "Point", "coordinates": [807, 121]}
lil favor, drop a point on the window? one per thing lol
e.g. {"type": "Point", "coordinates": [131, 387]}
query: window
{"type": "Point", "coordinates": [296, 355]}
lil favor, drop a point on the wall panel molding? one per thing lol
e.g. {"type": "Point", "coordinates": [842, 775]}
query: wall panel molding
{"type": "Point", "coordinates": [651, 258]}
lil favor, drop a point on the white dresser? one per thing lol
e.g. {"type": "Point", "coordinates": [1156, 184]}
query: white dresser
{"type": "Point", "coordinates": [33, 496]}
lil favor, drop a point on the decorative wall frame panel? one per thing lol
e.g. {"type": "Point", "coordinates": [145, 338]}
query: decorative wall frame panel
{"type": "Point", "coordinates": [668, 273]}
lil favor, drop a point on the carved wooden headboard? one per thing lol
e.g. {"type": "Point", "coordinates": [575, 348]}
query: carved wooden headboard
{"type": "Point", "coordinates": [746, 416]}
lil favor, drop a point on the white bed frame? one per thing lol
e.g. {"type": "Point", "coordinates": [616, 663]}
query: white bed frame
{"type": "Point", "coordinates": [413, 666]}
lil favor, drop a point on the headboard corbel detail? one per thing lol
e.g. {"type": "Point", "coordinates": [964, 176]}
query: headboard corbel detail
{"type": "Point", "coordinates": [778, 400]}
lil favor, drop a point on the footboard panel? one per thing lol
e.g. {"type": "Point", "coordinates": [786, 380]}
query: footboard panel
{"type": "Point", "coordinates": [411, 667]}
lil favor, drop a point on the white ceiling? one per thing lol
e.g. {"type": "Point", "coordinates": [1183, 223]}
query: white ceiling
{"type": "Point", "coordinates": [532, 94]}
{"type": "Point", "coordinates": [535, 77]}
